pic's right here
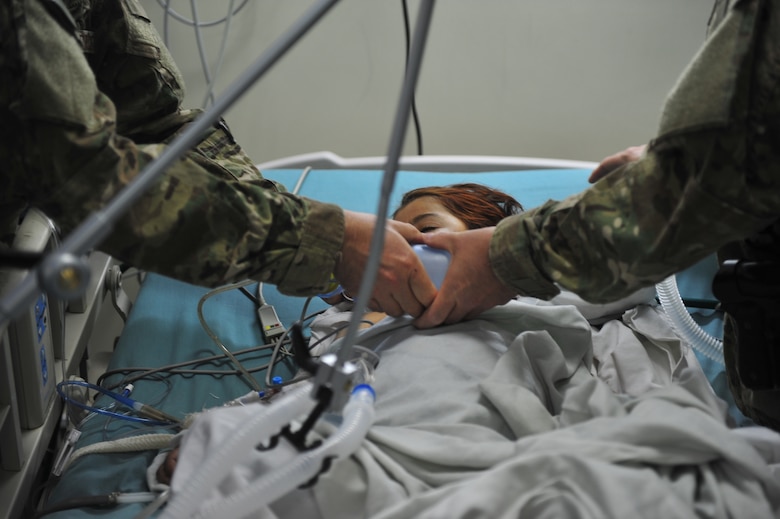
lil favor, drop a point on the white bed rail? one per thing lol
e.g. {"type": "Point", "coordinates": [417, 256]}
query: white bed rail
{"type": "Point", "coordinates": [433, 163]}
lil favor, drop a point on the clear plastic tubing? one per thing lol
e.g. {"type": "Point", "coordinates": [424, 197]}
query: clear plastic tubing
{"type": "Point", "coordinates": [358, 417]}
{"type": "Point", "coordinates": [220, 462]}
{"type": "Point", "coordinates": [688, 329]}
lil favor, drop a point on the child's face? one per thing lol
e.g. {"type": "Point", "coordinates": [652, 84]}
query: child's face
{"type": "Point", "coordinates": [427, 214]}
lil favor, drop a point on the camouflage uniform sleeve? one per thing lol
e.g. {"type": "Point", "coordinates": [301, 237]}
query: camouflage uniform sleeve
{"type": "Point", "coordinates": [198, 223]}
{"type": "Point", "coordinates": [711, 176]}
{"type": "Point", "coordinates": [197, 227]}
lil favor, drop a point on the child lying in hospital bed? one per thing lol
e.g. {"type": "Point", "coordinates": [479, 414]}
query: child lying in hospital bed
{"type": "Point", "coordinates": [468, 206]}
{"type": "Point", "coordinates": [525, 411]}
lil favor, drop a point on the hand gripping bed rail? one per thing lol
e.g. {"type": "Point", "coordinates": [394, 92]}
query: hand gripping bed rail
{"type": "Point", "coordinates": [358, 417]}
{"type": "Point", "coordinates": [688, 329]}
{"type": "Point", "coordinates": [268, 420]}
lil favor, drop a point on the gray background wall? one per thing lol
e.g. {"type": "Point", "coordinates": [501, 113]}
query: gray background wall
{"type": "Point", "coordinates": [573, 79]}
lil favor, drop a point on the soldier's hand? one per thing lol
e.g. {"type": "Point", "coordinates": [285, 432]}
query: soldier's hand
{"type": "Point", "coordinates": [613, 162]}
{"type": "Point", "coordinates": [402, 286]}
{"type": "Point", "coordinates": [470, 286]}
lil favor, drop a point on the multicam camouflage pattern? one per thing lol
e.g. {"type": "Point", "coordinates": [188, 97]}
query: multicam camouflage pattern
{"type": "Point", "coordinates": [136, 71]}
{"type": "Point", "coordinates": [711, 177]}
{"type": "Point", "coordinates": [83, 111]}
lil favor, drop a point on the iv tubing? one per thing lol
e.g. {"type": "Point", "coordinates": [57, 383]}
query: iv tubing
{"type": "Point", "coordinates": [148, 414]}
{"type": "Point", "coordinates": [683, 323]}
{"type": "Point", "coordinates": [268, 420]}
{"type": "Point", "coordinates": [358, 416]}
{"type": "Point", "coordinates": [397, 136]}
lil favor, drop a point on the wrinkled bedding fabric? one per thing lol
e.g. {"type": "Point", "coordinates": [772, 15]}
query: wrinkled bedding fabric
{"type": "Point", "coordinates": [531, 412]}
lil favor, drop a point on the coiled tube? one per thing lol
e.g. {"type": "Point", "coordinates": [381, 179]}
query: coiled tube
{"type": "Point", "coordinates": [358, 417]}
{"type": "Point", "coordinates": [688, 329]}
{"type": "Point", "coordinates": [220, 462]}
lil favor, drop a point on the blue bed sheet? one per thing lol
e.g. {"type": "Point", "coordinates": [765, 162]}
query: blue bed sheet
{"type": "Point", "coordinates": [163, 328]}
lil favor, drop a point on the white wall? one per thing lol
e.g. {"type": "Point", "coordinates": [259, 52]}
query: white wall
{"type": "Point", "coordinates": [573, 79]}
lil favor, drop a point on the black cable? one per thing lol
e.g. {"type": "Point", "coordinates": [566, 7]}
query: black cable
{"type": "Point", "coordinates": [19, 259]}
{"type": "Point", "coordinates": [312, 344]}
{"type": "Point", "coordinates": [701, 303]}
{"type": "Point", "coordinates": [172, 368]}
{"type": "Point", "coordinates": [704, 304]}
{"type": "Point", "coordinates": [249, 295]}
{"type": "Point", "coordinates": [147, 372]}
{"type": "Point", "coordinates": [415, 116]}
{"type": "Point", "coordinates": [285, 339]}
{"type": "Point", "coordinates": [301, 353]}
{"type": "Point", "coordinates": [275, 360]}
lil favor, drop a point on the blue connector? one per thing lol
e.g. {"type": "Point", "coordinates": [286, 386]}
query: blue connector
{"type": "Point", "coordinates": [364, 387]}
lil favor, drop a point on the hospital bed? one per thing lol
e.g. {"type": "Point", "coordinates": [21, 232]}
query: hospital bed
{"type": "Point", "coordinates": [172, 323]}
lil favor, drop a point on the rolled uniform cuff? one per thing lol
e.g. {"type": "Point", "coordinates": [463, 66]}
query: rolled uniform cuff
{"type": "Point", "coordinates": [320, 246]}
{"type": "Point", "coordinates": [511, 257]}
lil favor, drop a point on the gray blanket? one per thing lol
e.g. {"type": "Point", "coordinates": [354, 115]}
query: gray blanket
{"type": "Point", "coordinates": [530, 412]}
